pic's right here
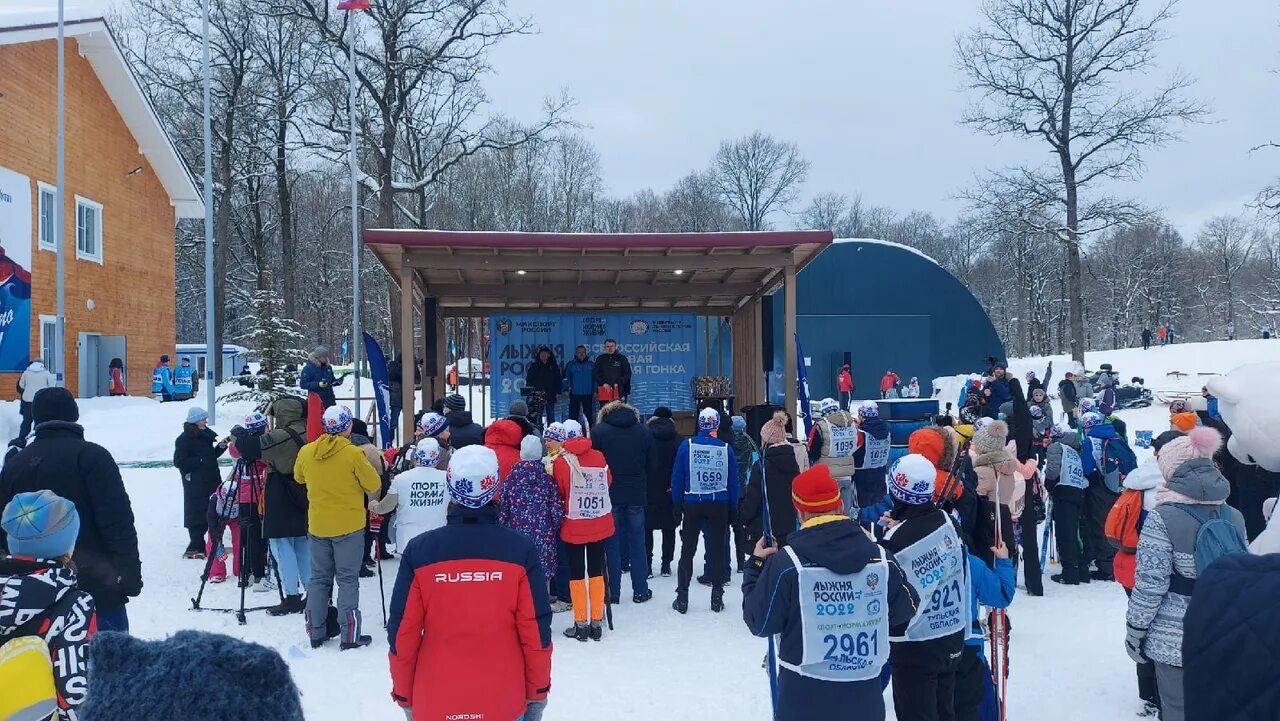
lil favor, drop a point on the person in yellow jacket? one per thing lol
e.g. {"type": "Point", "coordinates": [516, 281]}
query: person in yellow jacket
{"type": "Point", "coordinates": [338, 478]}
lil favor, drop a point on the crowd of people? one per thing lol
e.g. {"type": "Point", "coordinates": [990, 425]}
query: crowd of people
{"type": "Point", "coordinates": [871, 573]}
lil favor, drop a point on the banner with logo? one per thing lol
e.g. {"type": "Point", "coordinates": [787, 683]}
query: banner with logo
{"type": "Point", "coordinates": [661, 347]}
{"type": "Point", "coordinates": [16, 241]}
{"type": "Point", "coordinates": [381, 388]}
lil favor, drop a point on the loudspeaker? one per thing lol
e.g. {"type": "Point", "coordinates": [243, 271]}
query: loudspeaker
{"type": "Point", "coordinates": [766, 334]}
{"type": "Point", "coordinates": [430, 330]}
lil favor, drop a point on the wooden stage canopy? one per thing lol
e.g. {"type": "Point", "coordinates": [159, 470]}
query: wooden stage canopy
{"type": "Point", "coordinates": [472, 273]}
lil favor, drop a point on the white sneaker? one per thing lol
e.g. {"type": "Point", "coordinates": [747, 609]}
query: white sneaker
{"type": "Point", "coordinates": [561, 606]}
{"type": "Point", "coordinates": [263, 585]}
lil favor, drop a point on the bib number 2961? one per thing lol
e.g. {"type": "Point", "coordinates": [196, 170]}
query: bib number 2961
{"type": "Point", "coordinates": [846, 645]}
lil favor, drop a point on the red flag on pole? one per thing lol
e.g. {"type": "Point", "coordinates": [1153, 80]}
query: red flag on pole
{"type": "Point", "coordinates": [353, 4]}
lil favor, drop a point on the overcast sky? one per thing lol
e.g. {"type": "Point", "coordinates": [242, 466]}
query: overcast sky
{"type": "Point", "coordinates": [869, 91]}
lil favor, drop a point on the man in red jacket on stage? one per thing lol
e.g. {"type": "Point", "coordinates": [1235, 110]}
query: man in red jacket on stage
{"type": "Point", "coordinates": [470, 629]}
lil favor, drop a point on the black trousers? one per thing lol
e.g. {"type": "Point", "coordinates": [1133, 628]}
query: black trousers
{"type": "Point", "coordinates": [1098, 500]}
{"type": "Point", "coordinates": [922, 695]}
{"type": "Point", "coordinates": [972, 677]}
{"type": "Point", "coordinates": [586, 560]}
{"type": "Point", "coordinates": [580, 406]}
{"type": "Point", "coordinates": [24, 408]}
{"type": "Point", "coordinates": [716, 518]}
{"type": "Point", "coordinates": [196, 537]}
{"type": "Point", "coordinates": [668, 545]}
{"type": "Point", "coordinates": [1068, 506]}
{"type": "Point", "coordinates": [1031, 551]}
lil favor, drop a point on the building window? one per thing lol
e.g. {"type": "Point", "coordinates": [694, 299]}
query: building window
{"type": "Point", "coordinates": [88, 230]}
{"type": "Point", "coordinates": [48, 199]}
{"type": "Point", "coordinates": [48, 334]}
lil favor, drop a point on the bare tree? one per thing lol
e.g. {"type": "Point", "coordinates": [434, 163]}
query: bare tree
{"type": "Point", "coordinates": [1056, 71]}
{"type": "Point", "coordinates": [758, 175]}
{"type": "Point", "coordinates": [1226, 242]}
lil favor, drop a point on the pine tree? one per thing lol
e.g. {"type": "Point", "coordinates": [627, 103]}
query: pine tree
{"type": "Point", "coordinates": [274, 339]}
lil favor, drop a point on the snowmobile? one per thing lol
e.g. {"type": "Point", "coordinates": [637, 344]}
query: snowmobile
{"type": "Point", "coordinates": [1133, 394]}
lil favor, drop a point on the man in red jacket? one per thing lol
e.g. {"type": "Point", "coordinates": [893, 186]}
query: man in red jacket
{"type": "Point", "coordinates": [470, 629]}
{"type": "Point", "coordinates": [844, 384]}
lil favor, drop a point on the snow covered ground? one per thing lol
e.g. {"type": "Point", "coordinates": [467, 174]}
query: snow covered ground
{"type": "Point", "coordinates": [1067, 654]}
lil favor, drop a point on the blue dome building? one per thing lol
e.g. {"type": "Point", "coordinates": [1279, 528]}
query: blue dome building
{"type": "Point", "coordinates": [879, 306]}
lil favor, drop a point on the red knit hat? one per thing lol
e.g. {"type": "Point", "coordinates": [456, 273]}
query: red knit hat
{"type": "Point", "coordinates": [816, 491]}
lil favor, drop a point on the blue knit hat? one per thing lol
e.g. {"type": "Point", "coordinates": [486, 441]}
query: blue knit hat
{"type": "Point", "coordinates": [432, 424]}
{"type": "Point", "coordinates": [473, 476]}
{"type": "Point", "coordinates": [739, 423]}
{"type": "Point", "coordinates": [41, 525]}
{"type": "Point", "coordinates": [868, 409]}
{"type": "Point", "coordinates": [337, 420]}
{"type": "Point", "coordinates": [195, 414]}
{"type": "Point", "coordinates": [708, 420]}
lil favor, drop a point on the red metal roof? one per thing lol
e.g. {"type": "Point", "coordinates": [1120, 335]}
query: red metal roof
{"type": "Point", "coordinates": [411, 238]}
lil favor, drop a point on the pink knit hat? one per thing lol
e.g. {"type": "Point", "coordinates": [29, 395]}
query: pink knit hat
{"type": "Point", "coordinates": [1201, 442]}
{"type": "Point", "coordinates": [772, 433]}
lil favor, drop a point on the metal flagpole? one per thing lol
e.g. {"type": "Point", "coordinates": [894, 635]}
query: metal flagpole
{"type": "Point", "coordinates": [212, 353]}
{"type": "Point", "coordinates": [355, 200]}
{"type": "Point", "coordinates": [59, 215]}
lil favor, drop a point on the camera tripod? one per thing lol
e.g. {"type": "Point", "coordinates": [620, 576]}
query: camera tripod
{"type": "Point", "coordinates": [246, 515]}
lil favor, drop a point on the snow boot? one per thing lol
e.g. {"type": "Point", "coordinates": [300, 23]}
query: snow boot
{"type": "Point", "coordinates": [666, 570]}
{"type": "Point", "coordinates": [1149, 710]}
{"type": "Point", "coordinates": [579, 631]}
{"type": "Point", "coordinates": [559, 606]}
{"type": "Point", "coordinates": [318, 642]}
{"type": "Point", "coordinates": [596, 630]}
{"type": "Point", "coordinates": [642, 597]}
{"type": "Point", "coordinates": [717, 599]}
{"type": "Point", "coordinates": [366, 572]}
{"type": "Point", "coordinates": [263, 585]}
{"type": "Point", "coordinates": [681, 604]}
{"type": "Point", "coordinates": [291, 604]}
{"type": "Point", "coordinates": [360, 642]}
{"type": "Point", "coordinates": [1102, 576]}
{"type": "Point", "coordinates": [704, 580]}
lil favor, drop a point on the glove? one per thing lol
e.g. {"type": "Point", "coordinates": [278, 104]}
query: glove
{"type": "Point", "coordinates": [131, 587]}
{"type": "Point", "coordinates": [1133, 644]}
{"type": "Point", "coordinates": [533, 710]}
{"type": "Point", "coordinates": [677, 513]}
{"type": "Point", "coordinates": [324, 384]}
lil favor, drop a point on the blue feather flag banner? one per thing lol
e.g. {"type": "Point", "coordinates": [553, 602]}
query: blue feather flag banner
{"type": "Point", "coordinates": [381, 388]}
{"type": "Point", "coordinates": [802, 389]}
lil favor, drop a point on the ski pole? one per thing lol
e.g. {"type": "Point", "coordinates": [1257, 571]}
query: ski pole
{"type": "Point", "coordinates": [375, 527]}
{"type": "Point", "coordinates": [1048, 529]}
{"type": "Point", "coordinates": [767, 529]}
{"type": "Point", "coordinates": [999, 647]}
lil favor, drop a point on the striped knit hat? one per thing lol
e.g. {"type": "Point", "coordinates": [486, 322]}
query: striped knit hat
{"type": "Point", "coordinates": [555, 432]}
{"type": "Point", "coordinates": [40, 525]}
{"type": "Point", "coordinates": [816, 491]}
{"type": "Point", "coordinates": [432, 424]}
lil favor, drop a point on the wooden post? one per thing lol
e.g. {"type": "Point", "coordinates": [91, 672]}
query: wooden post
{"type": "Point", "coordinates": [407, 280]}
{"type": "Point", "coordinates": [789, 342]}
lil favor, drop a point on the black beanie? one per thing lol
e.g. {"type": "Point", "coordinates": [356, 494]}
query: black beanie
{"type": "Point", "coordinates": [662, 412]}
{"type": "Point", "coordinates": [1164, 438]}
{"type": "Point", "coordinates": [54, 404]}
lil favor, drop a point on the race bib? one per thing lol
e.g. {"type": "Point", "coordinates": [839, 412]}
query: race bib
{"type": "Point", "coordinates": [935, 567]}
{"type": "Point", "coordinates": [844, 621]}
{"type": "Point", "coordinates": [1072, 473]}
{"type": "Point", "coordinates": [589, 499]}
{"type": "Point", "coordinates": [844, 441]}
{"type": "Point", "coordinates": [708, 468]}
{"type": "Point", "coordinates": [877, 455]}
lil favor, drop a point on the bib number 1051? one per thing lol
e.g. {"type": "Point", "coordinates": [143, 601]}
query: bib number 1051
{"type": "Point", "coordinates": [590, 503]}
{"type": "Point", "coordinates": [846, 645]}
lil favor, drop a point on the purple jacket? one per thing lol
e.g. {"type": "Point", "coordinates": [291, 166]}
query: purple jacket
{"type": "Point", "coordinates": [531, 505]}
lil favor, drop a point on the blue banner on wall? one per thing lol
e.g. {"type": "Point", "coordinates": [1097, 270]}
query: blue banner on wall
{"type": "Point", "coordinates": [662, 349]}
{"type": "Point", "coordinates": [381, 387]}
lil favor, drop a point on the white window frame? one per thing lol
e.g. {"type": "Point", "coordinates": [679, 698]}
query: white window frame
{"type": "Point", "coordinates": [42, 188]}
{"type": "Point", "coordinates": [50, 320]}
{"type": "Point", "coordinates": [81, 255]}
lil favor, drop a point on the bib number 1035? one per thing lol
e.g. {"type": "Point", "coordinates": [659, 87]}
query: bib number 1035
{"type": "Point", "coordinates": [847, 645]}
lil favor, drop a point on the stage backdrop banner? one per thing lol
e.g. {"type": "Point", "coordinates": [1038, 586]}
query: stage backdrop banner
{"type": "Point", "coordinates": [16, 240]}
{"type": "Point", "coordinates": [662, 349]}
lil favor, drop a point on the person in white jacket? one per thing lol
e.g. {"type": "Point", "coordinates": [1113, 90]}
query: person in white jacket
{"type": "Point", "coordinates": [34, 379]}
{"type": "Point", "coordinates": [418, 496]}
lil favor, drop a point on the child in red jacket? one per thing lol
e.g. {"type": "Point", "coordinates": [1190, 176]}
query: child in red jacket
{"type": "Point", "coordinates": [584, 479]}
